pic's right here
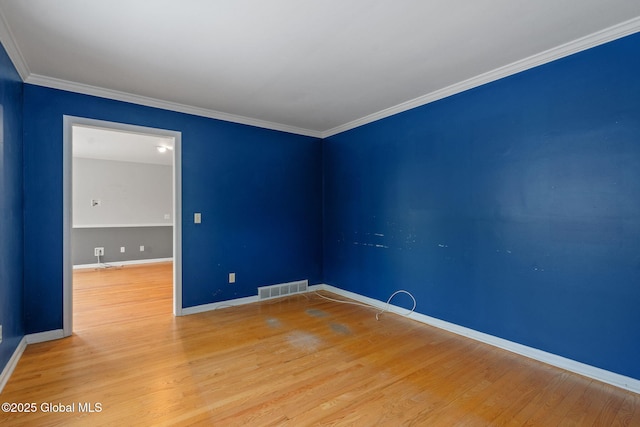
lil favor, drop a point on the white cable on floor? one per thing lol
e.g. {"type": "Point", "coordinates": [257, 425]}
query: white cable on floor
{"type": "Point", "coordinates": [103, 265]}
{"type": "Point", "coordinates": [371, 306]}
{"type": "Point", "coordinates": [389, 302]}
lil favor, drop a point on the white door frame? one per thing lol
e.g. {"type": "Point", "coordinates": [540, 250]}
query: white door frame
{"type": "Point", "coordinates": [67, 217]}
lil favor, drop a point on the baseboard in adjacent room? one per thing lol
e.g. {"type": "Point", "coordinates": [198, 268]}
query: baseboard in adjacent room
{"type": "Point", "coordinates": [122, 263]}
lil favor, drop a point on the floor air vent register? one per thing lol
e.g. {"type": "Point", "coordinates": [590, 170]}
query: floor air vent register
{"type": "Point", "coordinates": [275, 291]}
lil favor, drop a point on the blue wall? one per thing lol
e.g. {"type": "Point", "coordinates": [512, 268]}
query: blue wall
{"type": "Point", "coordinates": [11, 225]}
{"type": "Point", "coordinates": [512, 208]}
{"type": "Point", "coordinates": [259, 191]}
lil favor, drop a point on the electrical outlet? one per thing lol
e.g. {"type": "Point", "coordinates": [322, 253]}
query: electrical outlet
{"type": "Point", "coordinates": [98, 251]}
{"type": "Point", "coordinates": [121, 249]}
{"type": "Point", "coordinates": [141, 248]}
{"type": "Point", "coordinates": [232, 277]}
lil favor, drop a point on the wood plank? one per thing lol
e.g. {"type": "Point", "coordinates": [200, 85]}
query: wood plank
{"type": "Point", "coordinates": [629, 412]}
{"type": "Point", "coordinates": [295, 361]}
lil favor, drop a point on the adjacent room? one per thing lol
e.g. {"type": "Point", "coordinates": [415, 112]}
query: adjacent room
{"type": "Point", "coordinates": [320, 213]}
{"type": "Point", "coordinates": [122, 193]}
{"type": "Point", "coordinates": [122, 199]}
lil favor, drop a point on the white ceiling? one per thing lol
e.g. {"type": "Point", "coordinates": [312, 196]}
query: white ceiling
{"type": "Point", "coordinates": [109, 144]}
{"type": "Point", "coordinates": [309, 67]}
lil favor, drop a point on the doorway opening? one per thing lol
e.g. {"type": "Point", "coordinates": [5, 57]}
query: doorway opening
{"type": "Point", "coordinates": [122, 200]}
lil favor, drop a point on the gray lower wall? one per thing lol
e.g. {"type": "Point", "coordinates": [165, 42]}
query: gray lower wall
{"type": "Point", "coordinates": [157, 242]}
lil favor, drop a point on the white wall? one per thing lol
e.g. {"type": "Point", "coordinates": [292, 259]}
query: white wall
{"type": "Point", "coordinates": [129, 193]}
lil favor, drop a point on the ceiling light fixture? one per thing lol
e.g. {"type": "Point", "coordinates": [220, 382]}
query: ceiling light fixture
{"type": "Point", "coordinates": [163, 148]}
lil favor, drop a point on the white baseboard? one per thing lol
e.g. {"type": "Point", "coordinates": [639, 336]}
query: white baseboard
{"type": "Point", "coordinates": [122, 263]}
{"type": "Point", "coordinates": [216, 305]}
{"type": "Point", "coordinates": [55, 334]}
{"type": "Point", "coordinates": [580, 368]}
{"type": "Point", "coordinates": [27, 339]}
{"type": "Point", "coordinates": [236, 302]}
{"type": "Point", "coordinates": [11, 364]}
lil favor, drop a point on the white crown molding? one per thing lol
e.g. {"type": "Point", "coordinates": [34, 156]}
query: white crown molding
{"type": "Point", "coordinates": [609, 34]}
{"type": "Point", "coordinates": [9, 43]}
{"type": "Point", "coordinates": [54, 83]}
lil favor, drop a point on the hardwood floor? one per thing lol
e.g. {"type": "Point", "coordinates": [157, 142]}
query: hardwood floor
{"type": "Point", "coordinates": [297, 361]}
